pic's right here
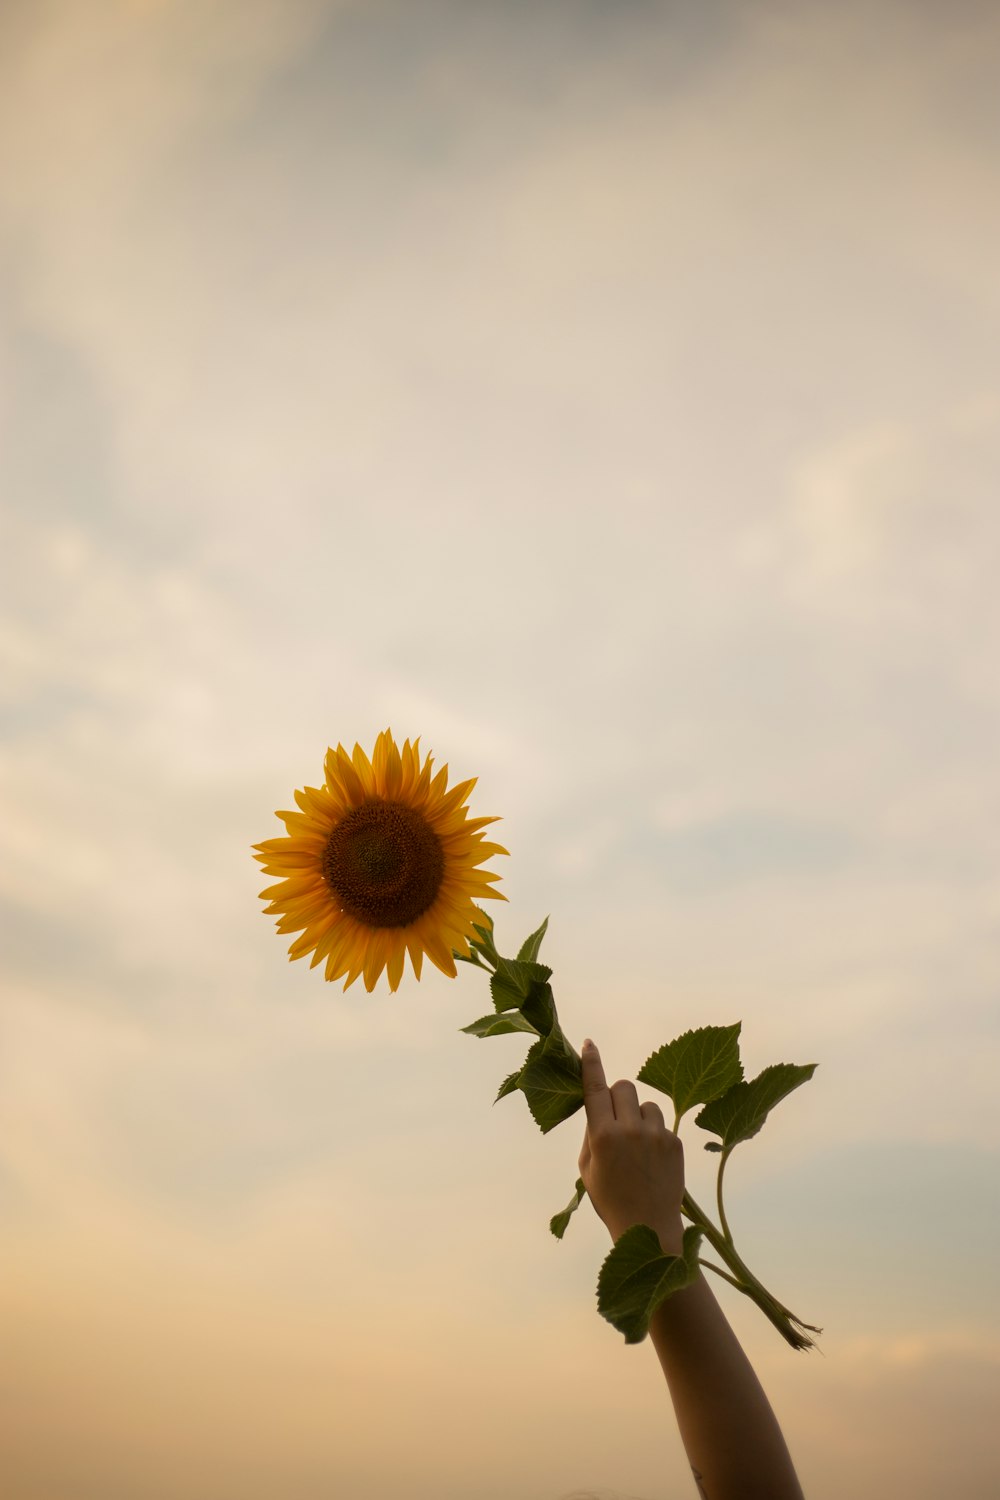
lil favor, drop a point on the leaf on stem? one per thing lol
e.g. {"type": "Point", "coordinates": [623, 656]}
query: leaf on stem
{"type": "Point", "coordinates": [472, 957]}
{"type": "Point", "coordinates": [512, 983]}
{"type": "Point", "coordinates": [552, 1080]}
{"type": "Point", "coordinates": [637, 1276]}
{"type": "Point", "coordinates": [695, 1067]}
{"type": "Point", "coordinates": [483, 941]}
{"type": "Point", "coordinates": [498, 1025]}
{"type": "Point", "coordinates": [528, 951]}
{"type": "Point", "coordinates": [560, 1221]}
{"type": "Point", "coordinates": [739, 1114]}
{"type": "Point", "coordinates": [505, 996]}
{"type": "Point", "coordinates": [539, 1008]}
{"type": "Point", "coordinates": [510, 1085]}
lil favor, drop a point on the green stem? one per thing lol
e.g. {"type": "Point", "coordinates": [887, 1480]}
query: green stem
{"type": "Point", "coordinates": [718, 1197]}
{"type": "Point", "coordinates": [715, 1237]}
{"type": "Point", "coordinates": [788, 1325]}
{"type": "Point", "coordinates": [710, 1266]}
{"type": "Point", "coordinates": [478, 953]}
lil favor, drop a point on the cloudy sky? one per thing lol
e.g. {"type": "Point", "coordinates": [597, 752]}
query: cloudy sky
{"type": "Point", "coordinates": [606, 391]}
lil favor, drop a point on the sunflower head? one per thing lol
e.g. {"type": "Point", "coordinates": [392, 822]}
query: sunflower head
{"type": "Point", "coordinates": [380, 861]}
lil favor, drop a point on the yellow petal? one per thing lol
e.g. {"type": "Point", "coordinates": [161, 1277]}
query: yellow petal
{"type": "Point", "coordinates": [306, 824]}
{"type": "Point", "coordinates": [422, 788]}
{"type": "Point", "coordinates": [374, 960]}
{"type": "Point", "coordinates": [363, 767]}
{"type": "Point", "coordinates": [411, 768]}
{"type": "Point", "coordinates": [353, 972]}
{"type": "Point", "coordinates": [416, 953]}
{"type": "Point", "coordinates": [439, 954]}
{"type": "Point", "coordinates": [353, 786]}
{"type": "Point", "coordinates": [456, 795]}
{"type": "Point", "coordinates": [301, 885]}
{"type": "Point", "coordinates": [378, 760]}
{"type": "Point", "coordinates": [393, 771]}
{"type": "Point", "coordinates": [397, 958]}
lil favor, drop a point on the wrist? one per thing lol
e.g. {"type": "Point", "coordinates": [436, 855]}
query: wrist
{"type": "Point", "coordinates": [671, 1235]}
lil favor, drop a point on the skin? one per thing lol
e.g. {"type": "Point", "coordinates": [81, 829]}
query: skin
{"type": "Point", "coordinates": [633, 1169]}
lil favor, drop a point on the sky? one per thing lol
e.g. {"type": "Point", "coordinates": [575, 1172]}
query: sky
{"type": "Point", "coordinates": [607, 393]}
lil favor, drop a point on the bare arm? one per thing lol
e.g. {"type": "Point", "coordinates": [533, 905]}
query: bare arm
{"type": "Point", "coordinates": [633, 1169]}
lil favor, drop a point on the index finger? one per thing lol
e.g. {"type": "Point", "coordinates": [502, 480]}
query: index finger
{"type": "Point", "coordinates": [596, 1094]}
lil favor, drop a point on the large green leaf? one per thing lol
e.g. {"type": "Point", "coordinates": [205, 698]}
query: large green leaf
{"type": "Point", "coordinates": [520, 973]}
{"type": "Point", "coordinates": [552, 1081]}
{"type": "Point", "coordinates": [539, 1007]}
{"type": "Point", "coordinates": [741, 1111]}
{"type": "Point", "coordinates": [559, 1222]}
{"type": "Point", "coordinates": [556, 1045]}
{"type": "Point", "coordinates": [512, 982]}
{"type": "Point", "coordinates": [497, 1025]}
{"type": "Point", "coordinates": [695, 1067]}
{"type": "Point", "coordinates": [505, 995]}
{"type": "Point", "coordinates": [636, 1277]}
{"type": "Point", "coordinates": [528, 951]}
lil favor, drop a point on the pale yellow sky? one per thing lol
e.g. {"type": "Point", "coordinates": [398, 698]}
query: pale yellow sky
{"type": "Point", "coordinates": [607, 393]}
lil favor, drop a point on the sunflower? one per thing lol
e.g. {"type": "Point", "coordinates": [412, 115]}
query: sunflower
{"type": "Point", "coordinates": [379, 862]}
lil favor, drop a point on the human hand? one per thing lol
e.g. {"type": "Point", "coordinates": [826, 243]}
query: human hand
{"type": "Point", "coordinates": [631, 1165]}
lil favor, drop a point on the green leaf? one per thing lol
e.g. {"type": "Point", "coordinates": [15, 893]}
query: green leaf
{"type": "Point", "coordinates": [505, 995]}
{"type": "Point", "coordinates": [520, 973]}
{"type": "Point", "coordinates": [512, 983]}
{"type": "Point", "coordinates": [498, 1025]}
{"type": "Point", "coordinates": [560, 1221]}
{"type": "Point", "coordinates": [551, 1081]}
{"type": "Point", "coordinates": [472, 957]}
{"type": "Point", "coordinates": [739, 1114]}
{"type": "Point", "coordinates": [539, 1008]}
{"type": "Point", "coordinates": [695, 1067]}
{"type": "Point", "coordinates": [483, 941]}
{"type": "Point", "coordinates": [556, 1045]}
{"type": "Point", "coordinates": [636, 1277]}
{"type": "Point", "coordinates": [528, 950]}
{"type": "Point", "coordinates": [510, 1085]}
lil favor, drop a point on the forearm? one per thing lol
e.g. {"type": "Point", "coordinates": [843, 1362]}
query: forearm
{"type": "Point", "coordinates": [732, 1439]}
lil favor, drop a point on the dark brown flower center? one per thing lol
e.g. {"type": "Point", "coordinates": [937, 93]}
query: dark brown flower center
{"type": "Point", "coordinates": [384, 863]}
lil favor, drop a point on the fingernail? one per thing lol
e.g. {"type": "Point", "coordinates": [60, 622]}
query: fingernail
{"type": "Point", "coordinates": [588, 1045]}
